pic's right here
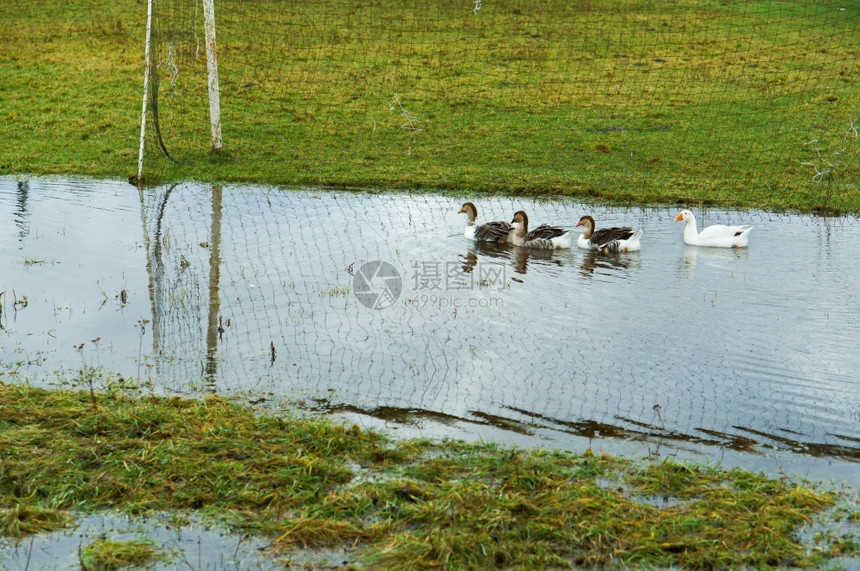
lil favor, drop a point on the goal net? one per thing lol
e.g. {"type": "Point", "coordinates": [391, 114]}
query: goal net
{"type": "Point", "coordinates": [611, 99]}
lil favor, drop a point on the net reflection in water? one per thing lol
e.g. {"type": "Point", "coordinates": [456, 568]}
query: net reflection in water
{"type": "Point", "coordinates": [252, 291]}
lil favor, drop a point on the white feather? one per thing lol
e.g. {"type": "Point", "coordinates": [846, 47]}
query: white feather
{"type": "Point", "coordinates": [716, 236]}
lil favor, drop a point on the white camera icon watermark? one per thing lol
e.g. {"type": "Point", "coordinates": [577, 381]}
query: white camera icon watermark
{"type": "Point", "coordinates": [378, 284]}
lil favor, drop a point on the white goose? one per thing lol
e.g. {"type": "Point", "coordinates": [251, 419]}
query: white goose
{"type": "Point", "coordinates": [544, 237]}
{"type": "Point", "coordinates": [615, 239]}
{"type": "Point", "coordinates": [497, 231]}
{"type": "Point", "coordinates": [717, 236]}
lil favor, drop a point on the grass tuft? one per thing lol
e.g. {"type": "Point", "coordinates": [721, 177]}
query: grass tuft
{"type": "Point", "coordinates": [110, 555]}
{"type": "Point", "coordinates": [22, 519]}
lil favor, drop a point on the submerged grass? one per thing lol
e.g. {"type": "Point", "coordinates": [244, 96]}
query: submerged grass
{"type": "Point", "coordinates": [22, 519]}
{"type": "Point", "coordinates": [411, 504]}
{"type": "Point", "coordinates": [110, 555]}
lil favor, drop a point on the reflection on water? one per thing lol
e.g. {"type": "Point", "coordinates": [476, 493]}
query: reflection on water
{"type": "Point", "coordinates": [252, 291]}
{"type": "Point", "coordinates": [723, 258]}
{"type": "Point", "coordinates": [519, 258]}
{"type": "Point", "coordinates": [607, 263]}
{"type": "Point", "coordinates": [523, 256]}
{"type": "Point", "coordinates": [19, 211]}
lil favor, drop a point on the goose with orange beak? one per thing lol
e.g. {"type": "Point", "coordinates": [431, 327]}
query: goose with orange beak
{"type": "Point", "coordinates": [716, 236]}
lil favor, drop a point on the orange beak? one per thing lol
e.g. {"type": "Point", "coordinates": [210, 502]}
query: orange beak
{"type": "Point", "coordinates": [679, 217]}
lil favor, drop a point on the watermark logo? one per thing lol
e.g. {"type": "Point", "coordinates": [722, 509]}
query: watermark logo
{"type": "Point", "coordinates": [457, 276]}
{"type": "Point", "coordinates": [377, 284]}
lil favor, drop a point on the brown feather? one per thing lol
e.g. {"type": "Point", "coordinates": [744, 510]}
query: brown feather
{"type": "Point", "coordinates": [545, 232]}
{"type": "Point", "coordinates": [493, 232]}
{"type": "Point", "coordinates": [606, 235]}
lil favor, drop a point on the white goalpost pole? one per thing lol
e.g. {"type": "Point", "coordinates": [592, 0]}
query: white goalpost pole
{"type": "Point", "coordinates": [212, 66]}
{"type": "Point", "coordinates": [145, 89]}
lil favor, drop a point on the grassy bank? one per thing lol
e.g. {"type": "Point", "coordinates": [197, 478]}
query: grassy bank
{"type": "Point", "coordinates": [413, 504]}
{"type": "Point", "coordinates": [740, 104]}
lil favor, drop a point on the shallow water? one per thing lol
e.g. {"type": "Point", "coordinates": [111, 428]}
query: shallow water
{"type": "Point", "coordinates": [183, 543]}
{"type": "Point", "coordinates": [264, 293]}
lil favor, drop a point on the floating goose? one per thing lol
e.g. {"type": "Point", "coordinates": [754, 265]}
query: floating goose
{"type": "Point", "coordinates": [717, 236]}
{"type": "Point", "coordinates": [497, 231]}
{"type": "Point", "coordinates": [544, 237]}
{"type": "Point", "coordinates": [617, 239]}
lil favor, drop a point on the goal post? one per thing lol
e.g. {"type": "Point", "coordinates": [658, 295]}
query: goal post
{"type": "Point", "coordinates": [212, 71]}
{"type": "Point", "coordinates": [146, 70]}
{"type": "Point", "coordinates": [600, 98]}
{"type": "Point", "coordinates": [150, 69]}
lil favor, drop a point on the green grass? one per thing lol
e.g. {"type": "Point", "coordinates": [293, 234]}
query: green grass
{"type": "Point", "coordinates": [702, 101]}
{"type": "Point", "coordinates": [414, 504]}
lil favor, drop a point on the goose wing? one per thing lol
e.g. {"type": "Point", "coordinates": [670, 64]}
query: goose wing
{"type": "Point", "coordinates": [493, 231]}
{"type": "Point", "coordinates": [606, 235]}
{"type": "Point", "coordinates": [718, 231]}
{"type": "Point", "coordinates": [545, 232]}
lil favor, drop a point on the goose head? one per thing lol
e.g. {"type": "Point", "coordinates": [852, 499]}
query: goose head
{"type": "Point", "coordinates": [520, 222]}
{"type": "Point", "coordinates": [470, 210]}
{"type": "Point", "coordinates": [588, 223]}
{"type": "Point", "coordinates": [686, 216]}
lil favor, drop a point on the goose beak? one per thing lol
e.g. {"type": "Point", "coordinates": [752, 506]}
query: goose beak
{"type": "Point", "coordinates": [461, 210]}
{"type": "Point", "coordinates": [578, 223]}
{"type": "Point", "coordinates": [679, 217]}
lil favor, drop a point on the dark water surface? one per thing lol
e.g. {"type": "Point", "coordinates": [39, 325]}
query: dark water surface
{"type": "Point", "coordinates": [743, 355]}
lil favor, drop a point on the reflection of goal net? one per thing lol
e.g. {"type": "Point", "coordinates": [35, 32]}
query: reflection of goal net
{"type": "Point", "coordinates": [702, 95]}
{"type": "Point", "coordinates": [282, 295]}
{"type": "Point", "coordinates": [179, 271]}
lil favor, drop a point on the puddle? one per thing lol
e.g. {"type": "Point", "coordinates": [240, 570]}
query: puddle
{"type": "Point", "coordinates": [842, 527]}
{"type": "Point", "coordinates": [741, 356]}
{"type": "Point", "coordinates": [185, 545]}
{"type": "Point", "coordinates": [659, 501]}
